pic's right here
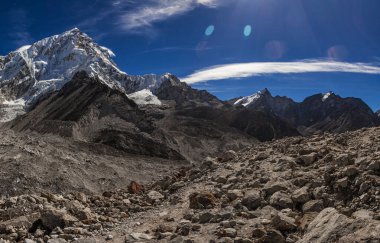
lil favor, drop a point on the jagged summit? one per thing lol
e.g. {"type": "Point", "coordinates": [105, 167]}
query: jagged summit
{"type": "Point", "coordinates": [33, 71]}
{"type": "Point", "coordinates": [250, 100]}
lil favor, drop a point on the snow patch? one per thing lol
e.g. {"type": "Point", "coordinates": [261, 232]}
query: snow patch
{"type": "Point", "coordinates": [246, 101]}
{"type": "Point", "coordinates": [23, 48]}
{"type": "Point", "coordinates": [144, 97]}
{"type": "Point", "coordinates": [109, 51]}
{"type": "Point", "coordinates": [326, 96]}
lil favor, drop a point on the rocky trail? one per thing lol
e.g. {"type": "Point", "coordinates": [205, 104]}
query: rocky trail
{"type": "Point", "coordinates": [325, 188]}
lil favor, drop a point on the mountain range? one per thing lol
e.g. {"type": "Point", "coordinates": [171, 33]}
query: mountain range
{"type": "Point", "coordinates": [318, 113]}
{"type": "Point", "coordinates": [68, 85]}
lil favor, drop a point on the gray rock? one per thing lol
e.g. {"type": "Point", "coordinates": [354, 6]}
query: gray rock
{"type": "Point", "coordinates": [273, 236]}
{"type": "Point", "coordinates": [154, 195]}
{"type": "Point", "coordinates": [283, 222]}
{"type": "Point", "coordinates": [374, 165]}
{"type": "Point", "coordinates": [271, 187]}
{"type": "Point", "coordinates": [313, 206]}
{"type": "Point", "coordinates": [252, 199]}
{"type": "Point", "coordinates": [53, 218]}
{"type": "Point", "coordinates": [308, 159]}
{"type": "Point", "coordinates": [281, 200]}
{"type": "Point", "coordinates": [342, 183]}
{"type": "Point", "coordinates": [301, 195]}
{"type": "Point", "coordinates": [230, 232]}
{"type": "Point", "coordinates": [331, 226]}
{"type": "Point", "coordinates": [205, 217]}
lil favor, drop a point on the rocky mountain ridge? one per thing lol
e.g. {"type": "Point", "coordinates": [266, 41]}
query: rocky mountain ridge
{"type": "Point", "coordinates": [317, 113]}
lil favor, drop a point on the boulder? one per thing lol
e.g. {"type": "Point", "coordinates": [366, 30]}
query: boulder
{"type": "Point", "coordinates": [313, 206]}
{"type": "Point", "coordinates": [308, 159]}
{"type": "Point", "coordinates": [252, 199]}
{"type": "Point", "coordinates": [274, 186]}
{"type": "Point", "coordinates": [202, 200]}
{"type": "Point", "coordinates": [53, 218]}
{"type": "Point", "coordinates": [283, 222]}
{"type": "Point", "coordinates": [301, 195]}
{"type": "Point", "coordinates": [272, 236]}
{"type": "Point", "coordinates": [331, 226]}
{"type": "Point", "coordinates": [281, 200]}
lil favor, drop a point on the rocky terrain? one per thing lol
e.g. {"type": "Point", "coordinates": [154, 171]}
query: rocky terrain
{"type": "Point", "coordinates": [325, 188]}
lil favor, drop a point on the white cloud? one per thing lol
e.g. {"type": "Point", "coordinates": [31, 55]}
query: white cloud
{"type": "Point", "coordinates": [244, 70]}
{"type": "Point", "coordinates": [160, 10]}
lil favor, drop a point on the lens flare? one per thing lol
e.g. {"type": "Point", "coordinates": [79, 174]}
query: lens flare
{"type": "Point", "coordinates": [247, 30]}
{"type": "Point", "coordinates": [210, 30]}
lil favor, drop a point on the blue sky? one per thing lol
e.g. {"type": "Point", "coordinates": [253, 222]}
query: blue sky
{"type": "Point", "coordinates": [295, 48]}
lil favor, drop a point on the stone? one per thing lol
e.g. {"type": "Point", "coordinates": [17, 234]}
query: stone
{"type": "Point", "coordinates": [202, 200]}
{"type": "Point", "coordinates": [313, 206]}
{"type": "Point", "coordinates": [140, 236]}
{"type": "Point", "coordinates": [205, 217]}
{"type": "Point", "coordinates": [306, 219]}
{"type": "Point", "coordinates": [283, 222]}
{"type": "Point", "coordinates": [252, 199]}
{"type": "Point", "coordinates": [351, 171]}
{"type": "Point", "coordinates": [272, 236]}
{"type": "Point", "coordinates": [29, 241]}
{"type": "Point", "coordinates": [52, 218]}
{"type": "Point", "coordinates": [258, 232]}
{"type": "Point", "coordinates": [234, 194]}
{"type": "Point", "coordinates": [154, 196]}
{"type": "Point", "coordinates": [308, 159]}
{"type": "Point", "coordinates": [363, 214]}
{"type": "Point", "coordinates": [281, 200]}
{"type": "Point", "coordinates": [331, 226]}
{"type": "Point", "coordinates": [271, 187]}
{"type": "Point", "coordinates": [228, 156]}
{"type": "Point", "coordinates": [230, 232]}
{"type": "Point", "coordinates": [78, 210]}
{"type": "Point", "coordinates": [57, 240]}
{"type": "Point", "coordinates": [184, 228]}
{"type": "Point", "coordinates": [301, 195]}
{"type": "Point", "coordinates": [135, 188]}
{"type": "Point", "coordinates": [374, 165]}
{"type": "Point", "coordinates": [342, 183]}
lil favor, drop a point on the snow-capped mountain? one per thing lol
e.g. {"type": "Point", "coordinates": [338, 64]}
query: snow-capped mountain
{"type": "Point", "coordinates": [33, 71]}
{"type": "Point", "coordinates": [320, 112]}
{"type": "Point", "coordinates": [250, 100]}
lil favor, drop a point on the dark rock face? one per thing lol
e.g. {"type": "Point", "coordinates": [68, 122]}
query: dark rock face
{"type": "Point", "coordinates": [185, 96]}
{"type": "Point", "coordinates": [317, 113]}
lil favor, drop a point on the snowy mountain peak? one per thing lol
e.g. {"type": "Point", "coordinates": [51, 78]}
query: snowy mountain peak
{"type": "Point", "coordinates": [249, 100]}
{"type": "Point", "coordinates": [33, 71]}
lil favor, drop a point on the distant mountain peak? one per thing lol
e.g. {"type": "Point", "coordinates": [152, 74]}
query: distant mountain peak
{"type": "Point", "coordinates": [251, 99]}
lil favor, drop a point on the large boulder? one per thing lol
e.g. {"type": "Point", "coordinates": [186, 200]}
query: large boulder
{"type": "Point", "coordinates": [52, 218]}
{"type": "Point", "coordinates": [331, 226]}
